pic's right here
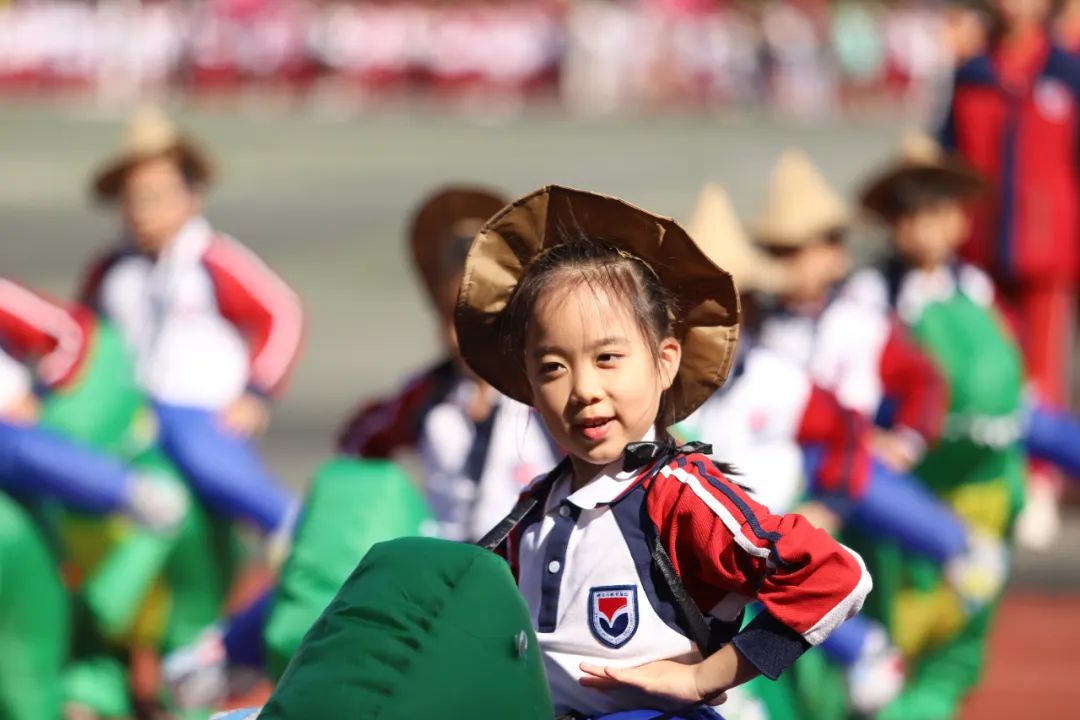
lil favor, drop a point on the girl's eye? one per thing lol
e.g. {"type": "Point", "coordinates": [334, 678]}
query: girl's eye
{"type": "Point", "coordinates": [607, 358]}
{"type": "Point", "coordinates": [549, 368]}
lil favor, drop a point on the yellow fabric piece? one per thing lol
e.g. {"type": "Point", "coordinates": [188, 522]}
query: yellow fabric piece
{"type": "Point", "coordinates": [89, 543]}
{"type": "Point", "coordinates": [89, 539]}
{"type": "Point", "coordinates": [985, 505]}
{"type": "Point", "coordinates": [149, 626]}
{"type": "Point", "coordinates": [926, 619]}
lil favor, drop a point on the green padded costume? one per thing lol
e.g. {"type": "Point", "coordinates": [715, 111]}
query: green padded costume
{"type": "Point", "coordinates": [977, 469]}
{"type": "Point", "coordinates": [423, 628]}
{"type": "Point", "coordinates": [34, 612]}
{"type": "Point", "coordinates": [135, 586]}
{"type": "Point", "coordinates": [352, 504]}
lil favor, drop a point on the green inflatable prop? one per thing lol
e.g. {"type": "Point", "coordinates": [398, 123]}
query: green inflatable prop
{"type": "Point", "coordinates": [103, 407]}
{"type": "Point", "coordinates": [135, 585]}
{"type": "Point", "coordinates": [423, 628]}
{"type": "Point", "coordinates": [34, 633]}
{"type": "Point", "coordinates": [352, 504]}
{"type": "Point", "coordinates": [977, 469]}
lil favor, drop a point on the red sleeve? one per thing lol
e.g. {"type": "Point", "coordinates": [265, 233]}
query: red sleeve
{"type": "Point", "coordinates": [383, 427]}
{"type": "Point", "coordinates": [263, 307]}
{"type": "Point", "coordinates": [34, 328]}
{"type": "Point", "coordinates": [89, 292]}
{"type": "Point", "coordinates": [843, 436]}
{"type": "Point", "coordinates": [910, 378]}
{"type": "Point", "coordinates": [721, 541]}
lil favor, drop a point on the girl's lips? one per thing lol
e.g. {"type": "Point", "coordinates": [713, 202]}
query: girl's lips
{"type": "Point", "coordinates": [596, 430]}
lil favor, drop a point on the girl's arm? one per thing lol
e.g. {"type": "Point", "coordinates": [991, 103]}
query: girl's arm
{"type": "Point", "coordinates": [705, 681]}
{"type": "Point", "coordinates": [721, 542]}
{"type": "Point", "coordinates": [263, 307]}
{"type": "Point", "coordinates": [843, 437]}
{"type": "Point", "coordinates": [34, 328]}
{"type": "Point", "coordinates": [910, 377]}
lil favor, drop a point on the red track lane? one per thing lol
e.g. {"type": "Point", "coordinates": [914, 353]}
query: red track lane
{"type": "Point", "coordinates": [1034, 668]}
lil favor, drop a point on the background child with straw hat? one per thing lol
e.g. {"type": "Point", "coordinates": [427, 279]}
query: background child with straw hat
{"type": "Point", "coordinates": [859, 357]}
{"type": "Point", "coordinates": [978, 465]}
{"type": "Point", "coordinates": [477, 447]}
{"type": "Point", "coordinates": [213, 330]}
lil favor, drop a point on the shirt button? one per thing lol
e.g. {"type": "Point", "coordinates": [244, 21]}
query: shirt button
{"type": "Point", "coordinates": [564, 511]}
{"type": "Point", "coordinates": [553, 566]}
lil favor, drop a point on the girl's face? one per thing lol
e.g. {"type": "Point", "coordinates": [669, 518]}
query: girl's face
{"type": "Point", "coordinates": [156, 203]}
{"type": "Point", "coordinates": [595, 381]}
{"type": "Point", "coordinates": [929, 237]}
{"type": "Point", "coordinates": [814, 270]}
{"type": "Point", "coordinates": [1022, 12]}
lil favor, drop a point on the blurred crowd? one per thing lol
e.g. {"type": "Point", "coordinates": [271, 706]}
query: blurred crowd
{"type": "Point", "coordinates": [803, 56]}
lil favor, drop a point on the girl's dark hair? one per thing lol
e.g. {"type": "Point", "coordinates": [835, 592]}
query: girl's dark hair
{"type": "Point", "coordinates": [996, 28]}
{"type": "Point", "coordinates": [915, 193]}
{"type": "Point", "coordinates": [580, 260]}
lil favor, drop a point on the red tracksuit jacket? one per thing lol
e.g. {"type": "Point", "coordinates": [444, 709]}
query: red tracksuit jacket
{"type": "Point", "coordinates": [35, 328]}
{"type": "Point", "coordinates": [1022, 135]}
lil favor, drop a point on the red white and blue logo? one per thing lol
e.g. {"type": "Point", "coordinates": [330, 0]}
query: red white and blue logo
{"type": "Point", "coordinates": [613, 614]}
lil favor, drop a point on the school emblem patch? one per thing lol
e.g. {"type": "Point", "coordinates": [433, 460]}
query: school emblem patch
{"type": "Point", "coordinates": [1053, 100]}
{"type": "Point", "coordinates": [613, 614]}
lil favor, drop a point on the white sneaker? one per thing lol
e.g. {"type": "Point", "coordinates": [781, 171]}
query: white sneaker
{"type": "Point", "coordinates": [243, 714]}
{"type": "Point", "coordinates": [196, 674]}
{"type": "Point", "coordinates": [1039, 526]}
{"type": "Point", "coordinates": [157, 502]}
{"type": "Point", "coordinates": [877, 677]}
{"type": "Point", "coordinates": [979, 575]}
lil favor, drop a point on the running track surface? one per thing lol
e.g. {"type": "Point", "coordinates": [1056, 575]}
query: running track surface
{"type": "Point", "coordinates": [1034, 667]}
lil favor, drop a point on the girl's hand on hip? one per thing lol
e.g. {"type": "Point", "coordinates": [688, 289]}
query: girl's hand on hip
{"type": "Point", "coordinates": [248, 415]}
{"type": "Point", "coordinates": [667, 679]}
{"type": "Point", "coordinates": [24, 411]}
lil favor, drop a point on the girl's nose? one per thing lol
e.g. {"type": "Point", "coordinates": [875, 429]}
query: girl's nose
{"type": "Point", "coordinates": [586, 389]}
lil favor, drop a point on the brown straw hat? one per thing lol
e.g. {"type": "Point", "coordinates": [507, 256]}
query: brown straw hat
{"type": "Point", "coordinates": [718, 231]}
{"type": "Point", "coordinates": [708, 321]}
{"type": "Point", "coordinates": [444, 226]}
{"type": "Point", "coordinates": [800, 205]}
{"type": "Point", "coordinates": [921, 163]}
{"type": "Point", "coordinates": [150, 135]}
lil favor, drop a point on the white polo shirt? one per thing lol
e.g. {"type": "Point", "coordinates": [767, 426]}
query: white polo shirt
{"type": "Point", "coordinates": [584, 566]}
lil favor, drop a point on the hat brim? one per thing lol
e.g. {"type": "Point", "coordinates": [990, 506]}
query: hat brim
{"type": "Point", "coordinates": [954, 179]}
{"type": "Point", "coordinates": [433, 224]}
{"type": "Point", "coordinates": [109, 181]}
{"type": "Point", "coordinates": [708, 319]}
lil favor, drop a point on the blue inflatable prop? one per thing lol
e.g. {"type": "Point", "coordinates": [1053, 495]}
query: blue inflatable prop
{"type": "Point", "coordinates": [846, 643]}
{"type": "Point", "coordinates": [1054, 436]}
{"type": "Point", "coordinates": [225, 470]}
{"type": "Point", "coordinates": [35, 461]}
{"type": "Point", "coordinates": [896, 506]}
{"type": "Point", "coordinates": [243, 637]}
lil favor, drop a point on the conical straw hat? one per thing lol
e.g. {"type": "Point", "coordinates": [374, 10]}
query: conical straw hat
{"type": "Point", "coordinates": [716, 227]}
{"type": "Point", "coordinates": [920, 161]}
{"type": "Point", "coordinates": [800, 205]}
{"type": "Point", "coordinates": [149, 135]}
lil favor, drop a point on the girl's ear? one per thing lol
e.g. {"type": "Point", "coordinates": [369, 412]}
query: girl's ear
{"type": "Point", "coordinates": [669, 358]}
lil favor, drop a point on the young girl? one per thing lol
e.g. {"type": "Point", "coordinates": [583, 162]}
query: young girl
{"type": "Point", "coordinates": [614, 324]}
